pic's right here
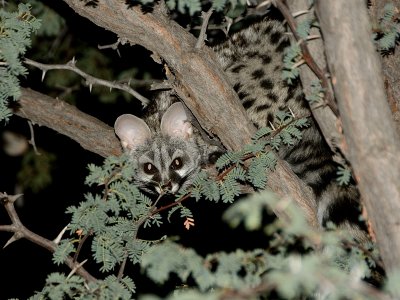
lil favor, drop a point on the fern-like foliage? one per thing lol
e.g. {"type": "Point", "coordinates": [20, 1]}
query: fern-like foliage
{"type": "Point", "coordinates": [344, 175]}
{"type": "Point", "coordinates": [389, 28]}
{"type": "Point", "coordinates": [291, 58]}
{"type": "Point", "coordinates": [254, 273]}
{"type": "Point", "coordinates": [16, 29]}
{"type": "Point", "coordinates": [304, 27]}
{"type": "Point", "coordinates": [316, 95]}
{"type": "Point", "coordinates": [59, 286]}
{"type": "Point", "coordinates": [286, 131]}
{"type": "Point", "coordinates": [112, 219]}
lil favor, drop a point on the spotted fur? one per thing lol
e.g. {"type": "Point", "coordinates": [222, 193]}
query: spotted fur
{"type": "Point", "coordinates": [252, 60]}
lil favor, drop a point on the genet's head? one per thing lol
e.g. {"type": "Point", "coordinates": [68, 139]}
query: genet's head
{"type": "Point", "coordinates": [166, 161]}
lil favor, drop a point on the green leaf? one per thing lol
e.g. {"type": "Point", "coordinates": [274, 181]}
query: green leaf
{"type": "Point", "coordinates": [63, 249]}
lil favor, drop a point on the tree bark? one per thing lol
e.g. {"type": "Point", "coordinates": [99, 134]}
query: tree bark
{"type": "Point", "coordinates": [372, 143]}
{"type": "Point", "coordinates": [89, 132]}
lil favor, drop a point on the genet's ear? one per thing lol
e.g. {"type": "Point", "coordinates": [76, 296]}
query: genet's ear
{"type": "Point", "coordinates": [175, 122]}
{"type": "Point", "coordinates": [131, 130]}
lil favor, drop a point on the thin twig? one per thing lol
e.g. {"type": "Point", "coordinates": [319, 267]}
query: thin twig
{"type": "Point", "coordinates": [263, 4]}
{"type": "Point", "coordinates": [122, 267]}
{"type": "Point", "coordinates": [113, 46]}
{"type": "Point", "coordinates": [80, 245]}
{"type": "Point", "coordinates": [203, 31]}
{"type": "Point", "coordinates": [32, 140]}
{"type": "Point", "coordinates": [183, 198]}
{"type": "Point", "coordinates": [90, 80]}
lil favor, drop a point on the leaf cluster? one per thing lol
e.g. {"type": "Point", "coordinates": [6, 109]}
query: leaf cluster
{"type": "Point", "coordinates": [35, 172]}
{"type": "Point", "coordinates": [111, 220]}
{"type": "Point", "coordinates": [252, 164]}
{"type": "Point", "coordinates": [316, 95]}
{"type": "Point", "coordinates": [292, 267]}
{"type": "Point", "coordinates": [16, 29]}
{"type": "Point", "coordinates": [388, 31]}
{"type": "Point", "coordinates": [59, 286]}
{"type": "Point", "coordinates": [250, 274]}
{"type": "Point", "coordinates": [292, 56]}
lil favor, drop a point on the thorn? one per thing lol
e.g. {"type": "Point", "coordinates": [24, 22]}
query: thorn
{"type": "Point", "coordinates": [90, 87]}
{"type": "Point", "coordinates": [292, 113]}
{"type": "Point", "coordinates": [43, 74]}
{"type": "Point", "coordinates": [3, 196]}
{"type": "Point", "coordinates": [76, 267]}
{"type": "Point", "coordinates": [264, 4]}
{"type": "Point", "coordinates": [301, 12]}
{"type": "Point", "coordinates": [272, 126]}
{"type": "Point", "coordinates": [298, 64]}
{"type": "Point", "coordinates": [14, 238]}
{"type": "Point", "coordinates": [60, 235]}
{"type": "Point", "coordinates": [13, 198]}
{"type": "Point", "coordinates": [73, 61]}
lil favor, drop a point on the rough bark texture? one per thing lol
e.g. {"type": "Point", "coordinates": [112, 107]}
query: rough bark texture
{"type": "Point", "coordinates": [373, 145]}
{"type": "Point", "coordinates": [89, 132]}
{"type": "Point", "coordinates": [194, 73]}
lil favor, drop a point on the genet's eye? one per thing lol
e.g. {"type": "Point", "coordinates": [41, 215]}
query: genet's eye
{"type": "Point", "coordinates": [176, 163]}
{"type": "Point", "coordinates": [149, 168]}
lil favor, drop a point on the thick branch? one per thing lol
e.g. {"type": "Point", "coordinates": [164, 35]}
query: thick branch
{"type": "Point", "coordinates": [373, 145]}
{"type": "Point", "coordinates": [198, 79]}
{"type": "Point", "coordinates": [89, 132]}
{"type": "Point", "coordinates": [90, 80]}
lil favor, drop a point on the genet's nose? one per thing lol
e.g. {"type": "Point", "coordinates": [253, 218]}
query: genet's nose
{"type": "Point", "coordinates": [167, 186]}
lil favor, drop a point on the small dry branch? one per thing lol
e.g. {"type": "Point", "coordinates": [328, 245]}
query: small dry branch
{"type": "Point", "coordinates": [20, 231]}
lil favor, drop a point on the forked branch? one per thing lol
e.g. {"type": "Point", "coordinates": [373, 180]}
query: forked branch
{"type": "Point", "coordinates": [20, 231]}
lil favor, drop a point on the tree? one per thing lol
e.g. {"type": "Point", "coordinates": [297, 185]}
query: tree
{"type": "Point", "coordinates": [134, 25]}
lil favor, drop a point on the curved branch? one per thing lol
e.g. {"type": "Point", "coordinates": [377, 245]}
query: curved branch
{"type": "Point", "coordinates": [90, 80]}
{"type": "Point", "coordinates": [20, 231]}
{"type": "Point", "coordinates": [373, 145]}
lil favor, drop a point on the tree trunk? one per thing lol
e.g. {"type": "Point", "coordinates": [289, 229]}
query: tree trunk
{"type": "Point", "coordinates": [372, 143]}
